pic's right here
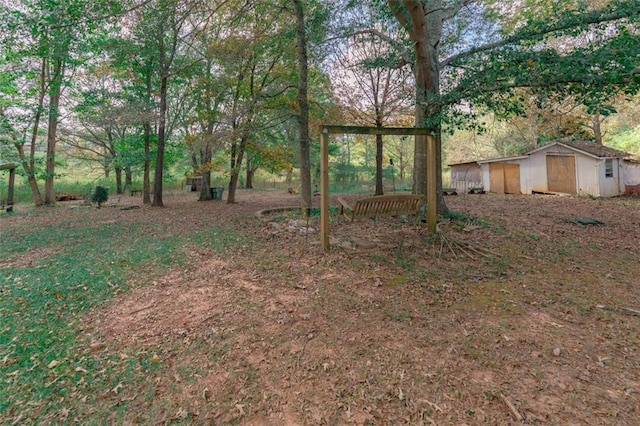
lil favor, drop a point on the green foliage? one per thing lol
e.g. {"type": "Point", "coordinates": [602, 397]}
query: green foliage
{"type": "Point", "coordinates": [627, 141]}
{"type": "Point", "coordinates": [464, 219]}
{"type": "Point", "coordinates": [100, 195]}
{"type": "Point", "coordinates": [573, 53]}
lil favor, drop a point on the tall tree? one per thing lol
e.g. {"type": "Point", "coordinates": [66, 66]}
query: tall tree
{"type": "Point", "coordinates": [169, 19]}
{"type": "Point", "coordinates": [375, 91]}
{"type": "Point", "coordinates": [556, 53]}
{"type": "Point", "coordinates": [257, 64]}
{"type": "Point", "coordinates": [47, 40]}
{"type": "Point", "coordinates": [303, 103]}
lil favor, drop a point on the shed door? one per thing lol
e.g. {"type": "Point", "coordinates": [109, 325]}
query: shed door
{"type": "Point", "coordinates": [496, 178]}
{"type": "Point", "coordinates": [561, 173]}
{"type": "Point", "coordinates": [504, 178]}
{"type": "Point", "coordinates": [511, 178]}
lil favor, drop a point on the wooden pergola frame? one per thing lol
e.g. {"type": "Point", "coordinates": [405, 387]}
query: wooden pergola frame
{"type": "Point", "coordinates": [326, 130]}
{"type": "Point", "coordinates": [12, 180]}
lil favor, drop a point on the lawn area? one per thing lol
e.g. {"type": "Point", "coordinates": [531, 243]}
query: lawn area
{"type": "Point", "coordinates": [204, 313]}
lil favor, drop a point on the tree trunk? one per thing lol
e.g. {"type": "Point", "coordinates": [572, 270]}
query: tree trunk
{"type": "Point", "coordinates": [162, 121]}
{"type": "Point", "coordinates": [236, 162]}
{"type": "Point", "coordinates": [379, 146]}
{"type": "Point", "coordinates": [597, 128]}
{"type": "Point", "coordinates": [249, 182]}
{"type": "Point", "coordinates": [303, 106]}
{"type": "Point", "coordinates": [146, 178]}
{"type": "Point", "coordinates": [420, 27]}
{"type": "Point", "coordinates": [28, 167]}
{"type": "Point", "coordinates": [205, 188]}
{"type": "Point", "coordinates": [205, 156]}
{"type": "Point", "coordinates": [128, 178]}
{"type": "Point", "coordinates": [118, 171]}
{"type": "Point", "coordinates": [52, 132]}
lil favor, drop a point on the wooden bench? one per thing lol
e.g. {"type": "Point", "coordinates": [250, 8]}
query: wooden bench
{"type": "Point", "coordinates": [394, 204]}
{"type": "Point", "coordinates": [5, 205]}
{"type": "Point", "coordinates": [136, 192]}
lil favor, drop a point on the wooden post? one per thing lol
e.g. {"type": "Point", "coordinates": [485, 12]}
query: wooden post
{"type": "Point", "coordinates": [432, 189]}
{"type": "Point", "coordinates": [324, 188]}
{"type": "Point", "coordinates": [12, 181]}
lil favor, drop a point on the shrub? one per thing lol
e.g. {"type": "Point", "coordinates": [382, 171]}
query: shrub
{"type": "Point", "coordinates": [100, 195]}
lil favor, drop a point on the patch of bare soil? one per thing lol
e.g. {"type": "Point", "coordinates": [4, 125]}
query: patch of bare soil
{"type": "Point", "coordinates": [524, 317]}
{"type": "Point", "coordinates": [20, 260]}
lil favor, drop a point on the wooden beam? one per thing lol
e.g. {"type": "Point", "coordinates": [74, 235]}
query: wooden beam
{"type": "Point", "coordinates": [8, 166]}
{"type": "Point", "coordinates": [432, 188]}
{"type": "Point", "coordinates": [12, 180]}
{"type": "Point", "coordinates": [364, 130]}
{"type": "Point", "coordinates": [324, 190]}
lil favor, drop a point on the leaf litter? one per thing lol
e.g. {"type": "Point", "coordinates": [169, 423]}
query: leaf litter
{"type": "Point", "coordinates": [276, 331]}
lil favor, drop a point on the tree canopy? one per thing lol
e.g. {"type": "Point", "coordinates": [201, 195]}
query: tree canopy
{"type": "Point", "coordinates": [239, 84]}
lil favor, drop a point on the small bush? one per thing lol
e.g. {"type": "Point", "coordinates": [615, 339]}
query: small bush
{"type": "Point", "coordinates": [100, 195]}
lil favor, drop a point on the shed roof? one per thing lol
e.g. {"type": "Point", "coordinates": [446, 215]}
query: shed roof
{"type": "Point", "coordinates": [464, 163]}
{"type": "Point", "coordinates": [503, 159]}
{"type": "Point", "coordinates": [587, 147]}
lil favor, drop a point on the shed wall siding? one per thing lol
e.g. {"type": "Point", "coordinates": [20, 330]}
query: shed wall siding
{"type": "Point", "coordinates": [588, 172]}
{"type": "Point", "coordinates": [486, 181]}
{"type": "Point", "coordinates": [464, 177]}
{"type": "Point", "coordinates": [631, 173]}
{"type": "Point", "coordinates": [631, 178]}
{"type": "Point", "coordinates": [523, 171]}
{"type": "Point", "coordinates": [612, 186]}
{"type": "Point", "coordinates": [537, 174]}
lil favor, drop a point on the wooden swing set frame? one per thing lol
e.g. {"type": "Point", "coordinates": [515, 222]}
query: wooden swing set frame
{"type": "Point", "coordinates": [326, 130]}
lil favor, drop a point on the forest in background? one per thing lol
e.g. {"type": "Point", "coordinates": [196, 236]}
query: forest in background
{"type": "Point", "coordinates": [134, 94]}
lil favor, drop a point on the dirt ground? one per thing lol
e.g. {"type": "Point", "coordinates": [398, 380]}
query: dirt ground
{"type": "Point", "coordinates": [523, 316]}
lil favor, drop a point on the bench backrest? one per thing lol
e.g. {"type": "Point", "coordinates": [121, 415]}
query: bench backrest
{"type": "Point", "coordinates": [387, 204]}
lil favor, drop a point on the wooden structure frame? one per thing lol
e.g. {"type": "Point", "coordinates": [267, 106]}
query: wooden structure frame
{"type": "Point", "coordinates": [12, 181]}
{"type": "Point", "coordinates": [430, 141]}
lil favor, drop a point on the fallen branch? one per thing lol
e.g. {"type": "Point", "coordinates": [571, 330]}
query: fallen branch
{"type": "Point", "coordinates": [143, 308]}
{"type": "Point", "coordinates": [512, 408]}
{"type": "Point", "coordinates": [432, 405]}
{"type": "Point", "coordinates": [463, 248]}
{"type": "Point", "coordinates": [633, 311]}
{"type": "Point", "coordinates": [302, 351]}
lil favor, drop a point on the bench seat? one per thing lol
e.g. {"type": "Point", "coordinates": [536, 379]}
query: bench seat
{"type": "Point", "coordinates": [394, 204]}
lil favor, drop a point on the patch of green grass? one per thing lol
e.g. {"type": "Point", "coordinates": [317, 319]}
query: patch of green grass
{"type": "Point", "coordinates": [462, 219]}
{"type": "Point", "coordinates": [400, 316]}
{"type": "Point", "coordinates": [46, 365]}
